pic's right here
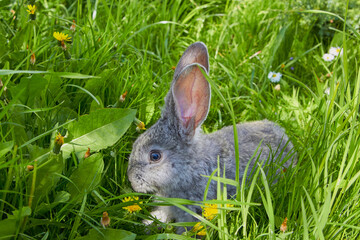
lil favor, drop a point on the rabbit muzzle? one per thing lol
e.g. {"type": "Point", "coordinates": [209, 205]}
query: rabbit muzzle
{"type": "Point", "coordinates": [138, 183]}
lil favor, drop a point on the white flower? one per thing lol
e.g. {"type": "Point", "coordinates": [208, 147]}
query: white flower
{"type": "Point", "coordinates": [327, 91]}
{"type": "Point", "coordinates": [274, 77]}
{"type": "Point", "coordinates": [336, 51]}
{"type": "Point", "coordinates": [328, 57]}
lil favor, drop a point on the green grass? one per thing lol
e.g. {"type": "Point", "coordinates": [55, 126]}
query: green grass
{"type": "Point", "coordinates": [132, 46]}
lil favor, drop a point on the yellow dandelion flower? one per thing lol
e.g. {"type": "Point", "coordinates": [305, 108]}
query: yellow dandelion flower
{"type": "Point", "coordinates": [140, 126]}
{"type": "Point", "coordinates": [59, 141]}
{"type": "Point", "coordinates": [31, 9]}
{"type": "Point", "coordinates": [61, 37]}
{"type": "Point", "coordinates": [132, 208]}
{"type": "Point", "coordinates": [210, 211]}
{"type": "Point", "coordinates": [199, 229]}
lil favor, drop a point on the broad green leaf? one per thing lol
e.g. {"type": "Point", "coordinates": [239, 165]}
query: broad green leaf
{"type": "Point", "coordinates": [86, 177]}
{"type": "Point", "coordinates": [168, 236]}
{"type": "Point", "coordinates": [33, 86]}
{"type": "Point", "coordinates": [95, 86]}
{"type": "Point", "coordinates": [95, 106]}
{"type": "Point", "coordinates": [8, 229]}
{"type": "Point", "coordinates": [98, 130]}
{"type": "Point", "coordinates": [9, 72]}
{"type": "Point", "coordinates": [35, 151]}
{"type": "Point", "coordinates": [61, 197]}
{"type": "Point", "coordinates": [47, 175]}
{"type": "Point", "coordinates": [108, 234]}
{"type": "Point", "coordinates": [72, 75]}
{"type": "Point", "coordinates": [19, 214]}
{"type": "Point", "coordinates": [5, 147]}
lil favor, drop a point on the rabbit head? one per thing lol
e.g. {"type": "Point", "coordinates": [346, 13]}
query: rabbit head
{"type": "Point", "coordinates": [162, 160]}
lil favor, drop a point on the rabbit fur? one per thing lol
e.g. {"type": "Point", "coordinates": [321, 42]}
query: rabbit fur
{"type": "Point", "coordinates": [187, 153]}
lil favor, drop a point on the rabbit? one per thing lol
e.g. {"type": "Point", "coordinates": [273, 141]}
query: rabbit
{"type": "Point", "coordinates": [169, 159]}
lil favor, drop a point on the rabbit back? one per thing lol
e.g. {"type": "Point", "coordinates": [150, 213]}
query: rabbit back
{"type": "Point", "coordinates": [264, 137]}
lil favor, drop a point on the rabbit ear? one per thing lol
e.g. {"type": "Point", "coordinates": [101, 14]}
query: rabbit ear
{"type": "Point", "coordinates": [195, 53]}
{"type": "Point", "coordinates": [187, 102]}
{"type": "Point", "coordinates": [191, 94]}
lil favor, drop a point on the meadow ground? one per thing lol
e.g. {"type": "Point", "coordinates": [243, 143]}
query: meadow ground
{"type": "Point", "coordinates": [93, 71]}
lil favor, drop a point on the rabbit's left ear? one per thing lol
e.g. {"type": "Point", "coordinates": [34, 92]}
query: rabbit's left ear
{"type": "Point", "coordinates": [195, 53]}
{"type": "Point", "coordinates": [191, 93]}
{"type": "Point", "coordinates": [190, 89]}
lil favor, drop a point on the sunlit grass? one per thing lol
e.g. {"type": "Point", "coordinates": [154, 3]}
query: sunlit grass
{"type": "Point", "coordinates": [109, 48]}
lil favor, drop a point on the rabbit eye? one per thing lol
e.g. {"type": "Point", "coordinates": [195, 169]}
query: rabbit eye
{"type": "Point", "coordinates": [155, 155]}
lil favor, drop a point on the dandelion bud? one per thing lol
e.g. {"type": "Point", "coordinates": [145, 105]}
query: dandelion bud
{"type": "Point", "coordinates": [2, 85]}
{"type": "Point", "coordinates": [283, 226]}
{"type": "Point", "coordinates": [29, 168]}
{"type": "Point", "coordinates": [13, 13]}
{"type": "Point", "coordinates": [255, 54]}
{"type": "Point", "coordinates": [59, 141]}
{"type": "Point", "coordinates": [277, 87]}
{"type": "Point", "coordinates": [123, 96]}
{"type": "Point", "coordinates": [169, 229]}
{"type": "Point", "coordinates": [87, 154]}
{"type": "Point", "coordinates": [32, 59]}
{"type": "Point", "coordinates": [73, 26]}
{"type": "Point", "coordinates": [63, 46]}
{"type": "Point", "coordinates": [105, 219]}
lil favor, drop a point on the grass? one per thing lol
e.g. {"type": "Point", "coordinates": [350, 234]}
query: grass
{"type": "Point", "coordinates": [131, 46]}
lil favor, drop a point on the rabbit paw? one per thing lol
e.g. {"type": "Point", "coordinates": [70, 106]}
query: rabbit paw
{"type": "Point", "coordinates": [159, 214]}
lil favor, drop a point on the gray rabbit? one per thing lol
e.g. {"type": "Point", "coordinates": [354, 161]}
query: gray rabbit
{"type": "Point", "coordinates": [170, 157]}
